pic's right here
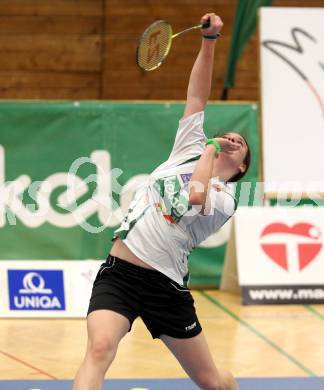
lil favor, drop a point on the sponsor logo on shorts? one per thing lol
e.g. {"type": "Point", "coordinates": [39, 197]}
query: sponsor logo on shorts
{"type": "Point", "coordinates": [36, 290]}
{"type": "Point", "coordinates": [190, 327]}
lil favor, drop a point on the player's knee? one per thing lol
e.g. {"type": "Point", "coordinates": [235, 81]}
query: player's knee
{"type": "Point", "coordinates": [223, 381]}
{"type": "Point", "coordinates": [209, 382]}
{"type": "Point", "coordinates": [102, 350]}
{"type": "Point", "coordinates": [228, 380]}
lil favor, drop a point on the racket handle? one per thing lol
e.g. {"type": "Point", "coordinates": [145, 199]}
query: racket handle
{"type": "Point", "coordinates": [205, 24]}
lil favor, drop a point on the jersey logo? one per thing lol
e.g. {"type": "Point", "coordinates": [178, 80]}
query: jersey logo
{"type": "Point", "coordinates": [185, 177]}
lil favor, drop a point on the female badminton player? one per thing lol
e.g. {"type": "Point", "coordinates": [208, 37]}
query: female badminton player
{"type": "Point", "coordinates": [146, 272]}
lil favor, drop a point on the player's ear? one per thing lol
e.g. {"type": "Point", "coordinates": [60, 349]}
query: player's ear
{"type": "Point", "coordinates": [242, 168]}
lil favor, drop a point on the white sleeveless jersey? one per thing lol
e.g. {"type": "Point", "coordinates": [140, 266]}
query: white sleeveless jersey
{"type": "Point", "coordinates": [161, 227]}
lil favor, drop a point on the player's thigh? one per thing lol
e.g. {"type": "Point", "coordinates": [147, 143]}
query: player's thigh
{"type": "Point", "coordinates": [192, 353]}
{"type": "Point", "coordinates": [194, 356]}
{"type": "Point", "coordinates": [105, 329]}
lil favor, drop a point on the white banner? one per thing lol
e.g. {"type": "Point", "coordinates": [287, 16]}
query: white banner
{"type": "Point", "coordinates": [292, 79]}
{"type": "Point", "coordinates": [280, 254]}
{"type": "Point", "coordinates": [46, 288]}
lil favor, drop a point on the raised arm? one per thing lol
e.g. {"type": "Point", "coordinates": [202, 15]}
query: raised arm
{"type": "Point", "coordinates": [201, 75]}
{"type": "Point", "coordinates": [199, 182]}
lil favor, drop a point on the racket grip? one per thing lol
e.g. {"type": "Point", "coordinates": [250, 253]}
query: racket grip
{"type": "Point", "coordinates": [205, 24]}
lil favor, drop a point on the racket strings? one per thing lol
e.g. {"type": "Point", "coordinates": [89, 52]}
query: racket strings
{"type": "Point", "coordinates": [154, 45]}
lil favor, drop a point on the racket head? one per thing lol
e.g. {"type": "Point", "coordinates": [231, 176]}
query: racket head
{"type": "Point", "coordinates": [154, 45]}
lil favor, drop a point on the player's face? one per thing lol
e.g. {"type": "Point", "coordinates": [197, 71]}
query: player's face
{"type": "Point", "coordinates": [238, 155]}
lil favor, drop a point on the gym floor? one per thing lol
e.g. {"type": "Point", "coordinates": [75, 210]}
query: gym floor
{"type": "Point", "coordinates": [261, 342]}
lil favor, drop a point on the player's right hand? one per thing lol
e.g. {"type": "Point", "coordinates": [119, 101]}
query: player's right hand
{"type": "Point", "coordinates": [215, 27]}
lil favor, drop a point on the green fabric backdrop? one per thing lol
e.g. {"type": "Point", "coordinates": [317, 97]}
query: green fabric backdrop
{"type": "Point", "coordinates": [40, 139]}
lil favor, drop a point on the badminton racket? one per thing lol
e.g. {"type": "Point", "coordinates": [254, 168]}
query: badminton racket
{"type": "Point", "coordinates": [155, 43]}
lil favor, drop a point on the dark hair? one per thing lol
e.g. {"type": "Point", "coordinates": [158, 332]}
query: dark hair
{"type": "Point", "coordinates": [246, 161]}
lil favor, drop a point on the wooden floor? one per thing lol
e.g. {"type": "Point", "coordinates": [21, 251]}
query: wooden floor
{"type": "Point", "coordinates": [251, 341]}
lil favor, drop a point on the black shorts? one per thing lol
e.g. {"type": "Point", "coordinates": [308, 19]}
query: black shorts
{"type": "Point", "coordinates": [164, 306]}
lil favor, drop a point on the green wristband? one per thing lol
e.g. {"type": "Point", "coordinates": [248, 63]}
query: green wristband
{"type": "Point", "coordinates": [218, 148]}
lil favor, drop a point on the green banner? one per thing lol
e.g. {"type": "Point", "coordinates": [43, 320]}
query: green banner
{"type": "Point", "coordinates": [46, 214]}
{"type": "Point", "coordinates": [244, 26]}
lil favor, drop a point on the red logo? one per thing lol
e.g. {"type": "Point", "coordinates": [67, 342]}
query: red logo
{"type": "Point", "coordinates": [292, 248]}
{"type": "Point", "coordinates": [153, 51]}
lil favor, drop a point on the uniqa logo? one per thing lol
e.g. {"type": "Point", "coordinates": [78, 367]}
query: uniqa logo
{"type": "Point", "coordinates": [102, 202]}
{"type": "Point", "coordinates": [34, 283]}
{"type": "Point", "coordinates": [37, 302]}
